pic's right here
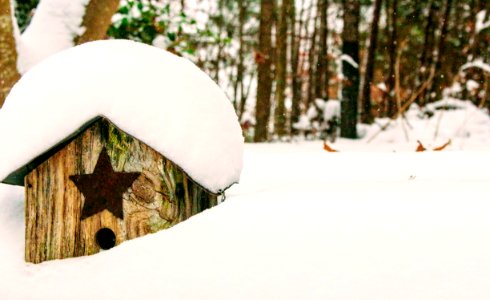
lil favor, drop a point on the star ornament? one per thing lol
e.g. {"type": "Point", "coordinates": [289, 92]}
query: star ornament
{"type": "Point", "coordinates": [104, 188]}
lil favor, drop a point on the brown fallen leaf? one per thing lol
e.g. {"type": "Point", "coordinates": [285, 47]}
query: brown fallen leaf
{"type": "Point", "coordinates": [443, 146]}
{"type": "Point", "coordinates": [326, 147]}
{"type": "Point", "coordinates": [420, 147]}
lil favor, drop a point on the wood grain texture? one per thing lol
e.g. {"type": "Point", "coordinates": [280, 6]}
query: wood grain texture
{"type": "Point", "coordinates": [162, 196]}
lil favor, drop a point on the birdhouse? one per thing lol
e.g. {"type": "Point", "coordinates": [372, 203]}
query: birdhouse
{"type": "Point", "coordinates": [107, 168]}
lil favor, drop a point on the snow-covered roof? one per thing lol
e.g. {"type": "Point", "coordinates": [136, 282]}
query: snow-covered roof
{"type": "Point", "coordinates": [157, 97]}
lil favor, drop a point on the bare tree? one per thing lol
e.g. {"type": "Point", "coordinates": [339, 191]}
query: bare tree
{"type": "Point", "coordinates": [281, 69]}
{"type": "Point", "coordinates": [350, 51]}
{"type": "Point", "coordinates": [97, 19]}
{"type": "Point", "coordinates": [392, 49]}
{"type": "Point", "coordinates": [264, 77]}
{"type": "Point", "coordinates": [312, 62]}
{"type": "Point", "coordinates": [321, 86]}
{"type": "Point", "coordinates": [438, 82]}
{"type": "Point", "coordinates": [8, 54]}
{"type": "Point", "coordinates": [366, 82]}
{"type": "Point", "coordinates": [296, 81]}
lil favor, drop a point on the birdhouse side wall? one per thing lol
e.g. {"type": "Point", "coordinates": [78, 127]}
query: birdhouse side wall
{"type": "Point", "coordinates": [161, 196]}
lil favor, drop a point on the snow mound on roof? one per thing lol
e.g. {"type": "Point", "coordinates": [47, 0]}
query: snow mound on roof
{"type": "Point", "coordinates": [157, 97]}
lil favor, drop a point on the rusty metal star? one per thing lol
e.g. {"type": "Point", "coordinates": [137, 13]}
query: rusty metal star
{"type": "Point", "coordinates": [104, 188]}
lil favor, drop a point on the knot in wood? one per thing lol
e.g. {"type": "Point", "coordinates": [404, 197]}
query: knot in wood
{"type": "Point", "coordinates": [145, 187]}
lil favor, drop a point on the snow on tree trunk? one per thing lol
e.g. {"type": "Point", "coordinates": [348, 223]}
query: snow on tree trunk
{"type": "Point", "coordinates": [97, 20]}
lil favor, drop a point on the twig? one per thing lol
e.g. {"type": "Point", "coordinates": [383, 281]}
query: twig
{"type": "Point", "coordinates": [397, 87]}
{"type": "Point", "coordinates": [405, 105]}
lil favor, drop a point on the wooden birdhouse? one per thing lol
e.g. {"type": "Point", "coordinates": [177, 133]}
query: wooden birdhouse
{"type": "Point", "coordinates": [99, 188]}
{"type": "Point", "coordinates": [92, 186]}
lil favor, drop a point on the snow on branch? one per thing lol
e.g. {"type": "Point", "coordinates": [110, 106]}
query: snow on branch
{"type": "Point", "coordinates": [477, 63]}
{"type": "Point", "coordinates": [480, 21]}
{"type": "Point", "coordinates": [349, 60]}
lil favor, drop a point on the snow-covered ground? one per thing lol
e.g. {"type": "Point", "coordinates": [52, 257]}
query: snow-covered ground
{"type": "Point", "coordinates": [302, 224]}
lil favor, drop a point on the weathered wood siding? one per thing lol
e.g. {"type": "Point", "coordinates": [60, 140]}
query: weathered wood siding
{"type": "Point", "coordinates": [161, 197]}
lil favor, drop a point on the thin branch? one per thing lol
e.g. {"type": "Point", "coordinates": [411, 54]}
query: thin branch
{"type": "Point", "coordinates": [406, 104]}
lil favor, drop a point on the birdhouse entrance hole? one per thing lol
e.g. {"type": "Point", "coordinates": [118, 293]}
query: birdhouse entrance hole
{"type": "Point", "coordinates": [105, 238]}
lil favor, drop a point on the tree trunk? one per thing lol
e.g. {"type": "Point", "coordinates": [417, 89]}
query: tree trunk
{"type": "Point", "coordinates": [438, 82]}
{"type": "Point", "coordinates": [8, 53]}
{"type": "Point", "coordinates": [365, 100]}
{"type": "Point", "coordinates": [281, 70]}
{"type": "Point", "coordinates": [350, 89]}
{"type": "Point", "coordinates": [426, 57]}
{"type": "Point", "coordinates": [239, 85]}
{"type": "Point", "coordinates": [312, 60]}
{"type": "Point", "coordinates": [294, 53]}
{"type": "Point", "coordinates": [264, 77]}
{"type": "Point", "coordinates": [392, 48]}
{"type": "Point", "coordinates": [321, 86]}
{"type": "Point", "coordinates": [217, 61]}
{"type": "Point", "coordinates": [97, 19]}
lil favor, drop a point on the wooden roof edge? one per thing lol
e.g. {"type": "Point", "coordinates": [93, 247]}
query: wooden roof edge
{"type": "Point", "coordinates": [17, 176]}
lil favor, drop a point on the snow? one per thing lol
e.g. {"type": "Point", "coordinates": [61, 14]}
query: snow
{"type": "Point", "coordinates": [477, 63]}
{"type": "Point", "coordinates": [302, 224]}
{"type": "Point", "coordinates": [349, 60]}
{"type": "Point", "coordinates": [467, 126]}
{"type": "Point", "coordinates": [382, 86]}
{"type": "Point", "coordinates": [53, 28]}
{"type": "Point", "coordinates": [331, 109]}
{"type": "Point", "coordinates": [472, 85]}
{"type": "Point", "coordinates": [157, 97]}
{"type": "Point", "coordinates": [303, 123]}
{"type": "Point", "coordinates": [480, 21]}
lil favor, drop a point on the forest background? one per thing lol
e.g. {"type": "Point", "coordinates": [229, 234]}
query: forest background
{"type": "Point", "coordinates": [279, 61]}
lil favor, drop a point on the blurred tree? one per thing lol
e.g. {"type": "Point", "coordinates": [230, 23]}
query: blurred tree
{"type": "Point", "coordinates": [321, 85]}
{"type": "Point", "coordinates": [439, 82]}
{"type": "Point", "coordinates": [392, 26]}
{"type": "Point", "coordinates": [263, 58]}
{"type": "Point", "coordinates": [281, 70]}
{"type": "Point", "coordinates": [312, 58]}
{"type": "Point", "coordinates": [296, 79]}
{"type": "Point", "coordinates": [97, 19]}
{"type": "Point", "coordinates": [350, 69]}
{"type": "Point", "coordinates": [8, 54]}
{"type": "Point", "coordinates": [156, 23]}
{"type": "Point", "coordinates": [367, 80]}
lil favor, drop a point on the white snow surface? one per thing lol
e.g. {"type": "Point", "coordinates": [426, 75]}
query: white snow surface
{"type": "Point", "coordinates": [53, 28]}
{"type": "Point", "coordinates": [302, 224]}
{"type": "Point", "coordinates": [157, 97]}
